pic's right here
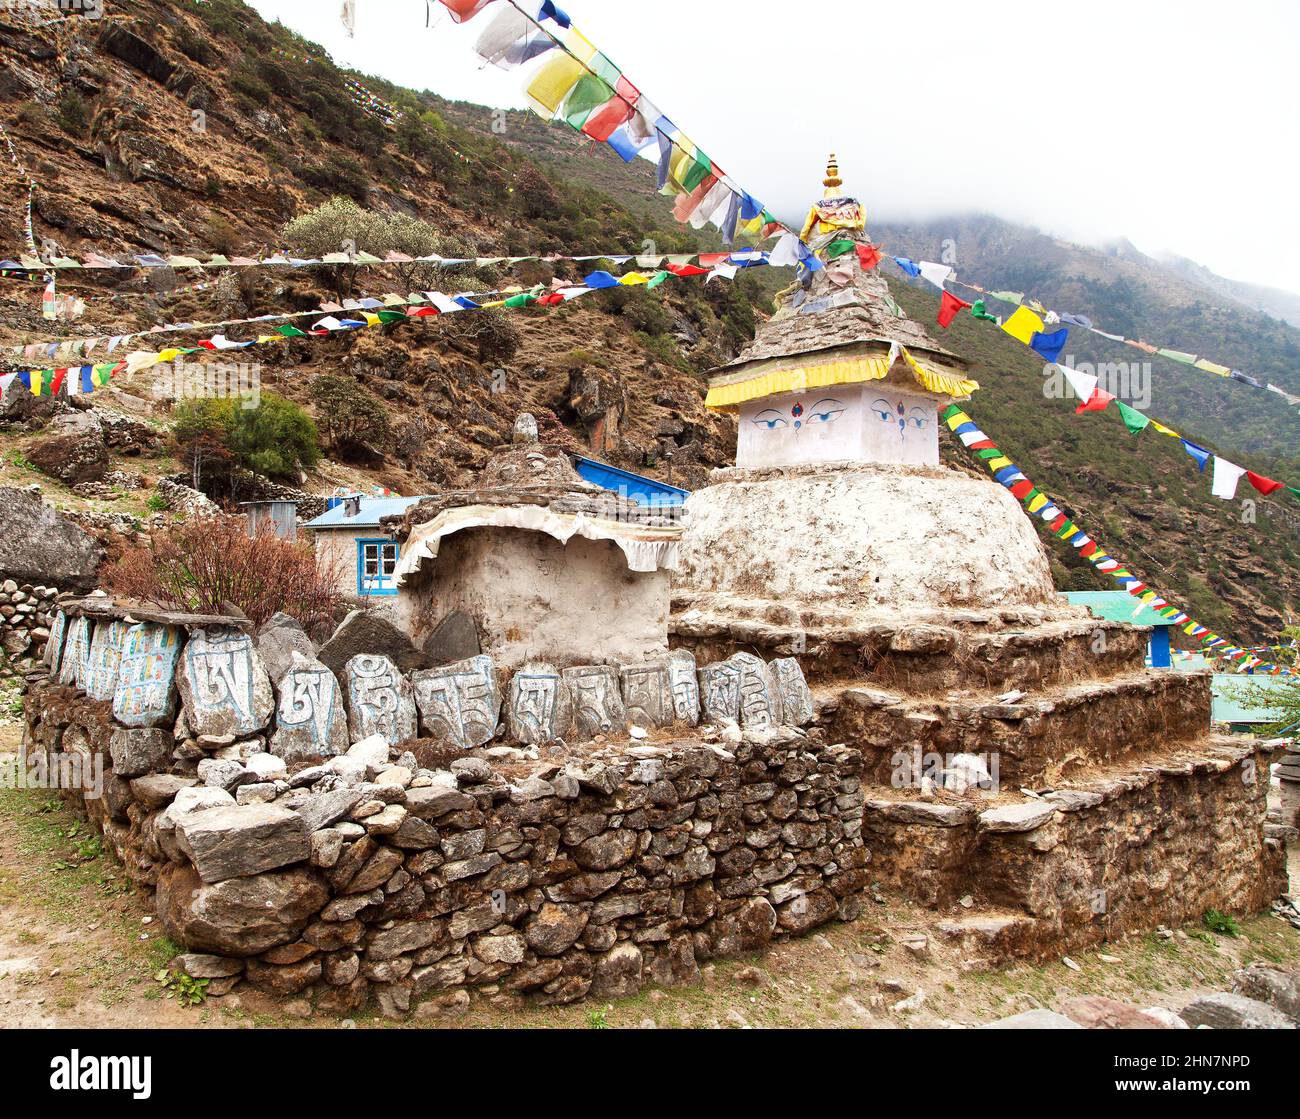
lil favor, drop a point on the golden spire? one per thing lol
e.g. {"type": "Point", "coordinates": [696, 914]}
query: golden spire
{"type": "Point", "coordinates": [832, 182]}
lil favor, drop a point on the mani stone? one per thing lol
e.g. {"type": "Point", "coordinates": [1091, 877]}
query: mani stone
{"type": "Point", "coordinates": [223, 685]}
{"type": "Point", "coordinates": [76, 650]}
{"type": "Point", "coordinates": [311, 722]}
{"type": "Point", "coordinates": [685, 686]}
{"type": "Point", "coordinates": [647, 694]}
{"type": "Point", "coordinates": [145, 692]}
{"type": "Point", "coordinates": [105, 656]}
{"type": "Point", "coordinates": [597, 703]}
{"type": "Point", "coordinates": [54, 643]}
{"type": "Point", "coordinates": [525, 429]}
{"type": "Point", "coordinates": [278, 640]}
{"type": "Point", "coordinates": [796, 698]}
{"type": "Point", "coordinates": [742, 689]}
{"type": "Point", "coordinates": [539, 708]}
{"type": "Point", "coordinates": [380, 700]}
{"type": "Point", "coordinates": [246, 839]}
{"type": "Point", "coordinates": [459, 703]}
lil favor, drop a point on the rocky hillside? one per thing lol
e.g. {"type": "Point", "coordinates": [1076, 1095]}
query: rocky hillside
{"type": "Point", "coordinates": [175, 128]}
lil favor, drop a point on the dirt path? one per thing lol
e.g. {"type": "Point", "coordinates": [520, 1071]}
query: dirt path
{"type": "Point", "coordinates": [78, 947]}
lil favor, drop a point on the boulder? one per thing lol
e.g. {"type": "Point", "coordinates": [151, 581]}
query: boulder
{"type": "Point", "coordinates": [73, 451]}
{"type": "Point", "coordinates": [455, 638]}
{"type": "Point", "coordinates": [40, 545]}
{"type": "Point", "coordinates": [364, 631]}
{"type": "Point", "coordinates": [1097, 1012]}
{"type": "Point", "coordinates": [1234, 1012]}
{"type": "Point", "coordinates": [278, 640]}
{"type": "Point", "coordinates": [618, 972]}
{"type": "Point", "coordinates": [1280, 989]}
{"type": "Point", "coordinates": [237, 917]}
{"type": "Point", "coordinates": [244, 840]}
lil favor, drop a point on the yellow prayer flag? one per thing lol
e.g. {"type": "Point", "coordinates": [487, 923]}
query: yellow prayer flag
{"type": "Point", "coordinates": [998, 463]}
{"type": "Point", "coordinates": [1165, 430]}
{"type": "Point", "coordinates": [1037, 503]}
{"type": "Point", "coordinates": [1211, 367]}
{"type": "Point", "coordinates": [633, 278]}
{"type": "Point", "coordinates": [1023, 325]}
{"type": "Point", "coordinates": [552, 83]}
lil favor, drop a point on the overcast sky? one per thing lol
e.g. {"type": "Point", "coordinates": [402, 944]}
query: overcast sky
{"type": "Point", "coordinates": [1169, 122]}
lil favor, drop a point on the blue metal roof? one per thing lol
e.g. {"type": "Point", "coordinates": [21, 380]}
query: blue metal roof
{"type": "Point", "coordinates": [1117, 606]}
{"type": "Point", "coordinates": [373, 509]}
{"type": "Point", "coordinates": [624, 482]}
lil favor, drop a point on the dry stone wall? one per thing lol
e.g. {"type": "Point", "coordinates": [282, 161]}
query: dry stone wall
{"type": "Point", "coordinates": [25, 616]}
{"type": "Point", "coordinates": [296, 860]}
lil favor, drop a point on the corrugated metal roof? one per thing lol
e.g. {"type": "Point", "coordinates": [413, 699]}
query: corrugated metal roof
{"type": "Point", "coordinates": [1117, 606]}
{"type": "Point", "coordinates": [373, 510]}
{"type": "Point", "coordinates": [1239, 698]}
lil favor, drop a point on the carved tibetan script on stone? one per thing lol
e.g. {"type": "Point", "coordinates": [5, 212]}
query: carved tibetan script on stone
{"type": "Point", "coordinates": [380, 699]}
{"type": "Point", "coordinates": [459, 702]}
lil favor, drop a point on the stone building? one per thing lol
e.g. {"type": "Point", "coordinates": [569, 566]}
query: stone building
{"type": "Point", "coordinates": [548, 567]}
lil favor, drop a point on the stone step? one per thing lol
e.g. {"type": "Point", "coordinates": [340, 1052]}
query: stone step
{"type": "Point", "coordinates": [1043, 736]}
{"type": "Point", "coordinates": [963, 650]}
{"type": "Point", "coordinates": [1127, 849]}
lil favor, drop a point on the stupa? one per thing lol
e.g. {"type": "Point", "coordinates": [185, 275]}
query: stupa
{"type": "Point", "coordinates": [837, 496]}
{"type": "Point", "coordinates": [1023, 772]}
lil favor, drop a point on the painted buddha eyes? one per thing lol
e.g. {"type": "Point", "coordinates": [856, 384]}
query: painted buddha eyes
{"type": "Point", "coordinates": [889, 413]}
{"type": "Point", "coordinates": [825, 411]}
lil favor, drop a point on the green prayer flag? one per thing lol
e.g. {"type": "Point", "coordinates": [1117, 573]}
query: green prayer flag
{"type": "Point", "coordinates": [1134, 420]}
{"type": "Point", "coordinates": [977, 309]}
{"type": "Point", "coordinates": [697, 172]}
{"type": "Point", "coordinates": [657, 279]}
{"type": "Point", "coordinates": [521, 300]}
{"type": "Point", "coordinates": [588, 94]}
{"type": "Point", "coordinates": [1294, 491]}
{"type": "Point", "coordinates": [391, 316]}
{"type": "Point", "coordinates": [291, 331]}
{"type": "Point", "coordinates": [838, 249]}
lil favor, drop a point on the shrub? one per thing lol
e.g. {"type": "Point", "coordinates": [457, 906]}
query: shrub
{"type": "Point", "coordinates": [73, 115]}
{"type": "Point", "coordinates": [348, 414]}
{"type": "Point", "coordinates": [209, 563]}
{"type": "Point", "coordinates": [277, 438]}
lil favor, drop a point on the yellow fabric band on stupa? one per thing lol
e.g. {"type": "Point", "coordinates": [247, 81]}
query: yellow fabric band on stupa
{"type": "Point", "coordinates": [847, 372]}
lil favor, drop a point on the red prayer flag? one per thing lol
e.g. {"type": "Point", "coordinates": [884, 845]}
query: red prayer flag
{"type": "Point", "coordinates": [686, 270]}
{"type": "Point", "coordinates": [949, 305]}
{"type": "Point", "coordinates": [1097, 402]}
{"type": "Point", "coordinates": [868, 257]}
{"type": "Point", "coordinates": [1264, 485]}
{"type": "Point", "coordinates": [615, 113]}
{"type": "Point", "coordinates": [462, 10]}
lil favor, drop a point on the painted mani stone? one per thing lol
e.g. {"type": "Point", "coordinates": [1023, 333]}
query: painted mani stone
{"type": "Point", "coordinates": [223, 684]}
{"type": "Point", "coordinates": [539, 707]}
{"type": "Point", "coordinates": [795, 696]}
{"type": "Point", "coordinates": [310, 721]}
{"type": "Point", "coordinates": [460, 702]}
{"type": "Point", "coordinates": [685, 686]}
{"type": "Point", "coordinates": [105, 657]}
{"type": "Point", "coordinates": [647, 694]}
{"type": "Point", "coordinates": [597, 703]}
{"type": "Point", "coordinates": [145, 691]}
{"type": "Point", "coordinates": [380, 700]}
{"type": "Point", "coordinates": [54, 643]}
{"type": "Point", "coordinates": [76, 651]}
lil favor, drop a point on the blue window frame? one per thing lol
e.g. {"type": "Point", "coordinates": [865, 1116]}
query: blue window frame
{"type": "Point", "coordinates": [376, 567]}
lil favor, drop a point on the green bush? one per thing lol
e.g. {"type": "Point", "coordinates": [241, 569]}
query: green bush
{"type": "Point", "coordinates": [277, 438]}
